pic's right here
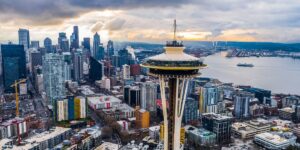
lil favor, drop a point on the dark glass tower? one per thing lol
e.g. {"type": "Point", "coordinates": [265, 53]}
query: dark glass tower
{"type": "Point", "coordinates": [96, 70]}
{"type": "Point", "coordinates": [13, 65]}
{"type": "Point", "coordinates": [75, 38]}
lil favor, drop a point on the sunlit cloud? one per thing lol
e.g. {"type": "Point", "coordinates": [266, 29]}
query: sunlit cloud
{"type": "Point", "coordinates": [151, 21]}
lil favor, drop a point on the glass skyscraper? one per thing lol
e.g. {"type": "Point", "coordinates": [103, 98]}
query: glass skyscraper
{"type": "Point", "coordinates": [24, 38]}
{"type": "Point", "coordinates": [13, 64]}
{"type": "Point", "coordinates": [96, 44]}
{"type": "Point", "coordinates": [53, 73]}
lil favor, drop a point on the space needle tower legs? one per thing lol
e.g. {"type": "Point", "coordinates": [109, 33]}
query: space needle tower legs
{"type": "Point", "coordinates": [172, 117]}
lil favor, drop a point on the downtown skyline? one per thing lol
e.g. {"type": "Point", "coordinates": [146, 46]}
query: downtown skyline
{"type": "Point", "coordinates": [232, 20]}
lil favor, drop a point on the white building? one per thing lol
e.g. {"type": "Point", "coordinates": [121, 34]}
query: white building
{"type": "Point", "coordinates": [273, 141]}
{"type": "Point", "coordinates": [62, 110]}
{"type": "Point", "coordinates": [126, 71]}
{"type": "Point", "coordinates": [103, 102]}
{"type": "Point", "coordinates": [46, 140]}
{"type": "Point", "coordinates": [105, 83]}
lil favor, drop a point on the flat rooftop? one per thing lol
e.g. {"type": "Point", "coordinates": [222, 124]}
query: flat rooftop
{"type": "Point", "coordinates": [216, 116]}
{"type": "Point", "coordinates": [103, 99]}
{"type": "Point", "coordinates": [272, 138]}
{"type": "Point", "coordinates": [34, 140]}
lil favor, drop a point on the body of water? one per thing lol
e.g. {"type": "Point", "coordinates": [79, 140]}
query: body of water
{"type": "Point", "coordinates": [280, 75]}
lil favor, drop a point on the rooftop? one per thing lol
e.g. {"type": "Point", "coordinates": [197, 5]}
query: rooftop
{"type": "Point", "coordinates": [32, 141]}
{"type": "Point", "coordinates": [216, 116]}
{"type": "Point", "coordinates": [272, 138]}
{"type": "Point", "coordinates": [108, 146]}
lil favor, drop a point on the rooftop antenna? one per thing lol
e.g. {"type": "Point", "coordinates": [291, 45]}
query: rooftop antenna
{"type": "Point", "coordinates": [175, 26]}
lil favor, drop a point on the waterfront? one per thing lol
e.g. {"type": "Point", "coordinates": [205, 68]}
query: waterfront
{"type": "Point", "coordinates": [280, 75]}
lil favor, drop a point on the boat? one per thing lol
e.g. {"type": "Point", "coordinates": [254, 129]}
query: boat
{"type": "Point", "coordinates": [245, 65]}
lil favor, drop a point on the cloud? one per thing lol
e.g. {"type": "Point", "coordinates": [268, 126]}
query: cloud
{"type": "Point", "coordinates": [56, 11]}
{"type": "Point", "coordinates": [115, 24]}
{"type": "Point", "coordinates": [98, 26]}
{"type": "Point", "coordinates": [152, 19]}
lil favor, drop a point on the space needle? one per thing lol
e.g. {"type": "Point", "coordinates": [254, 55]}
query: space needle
{"type": "Point", "coordinates": [174, 68]}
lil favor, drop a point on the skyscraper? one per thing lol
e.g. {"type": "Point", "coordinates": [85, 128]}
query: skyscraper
{"type": "Point", "coordinates": [24, 38]}
{"type": "Point", "coordinates": [211, 94]}
{"type": "Point", "coordinates": [48, 45]}
{"type": "Point", "coordinates": [35, 44]}
{"type": "Point", "coordinates": [100, 53]}
{"type": "Point", "coordinates": [176, 68]}
{"type": "Point", "coordinates": [124, 57]}
{"type": "Point", "coordinates": [35, 59]}
{"type": "Point", "coordinates": [242, 104]}
{"type": "Point", "coordinates": [63, 42]}
{"type": "Point", "coordinates": [96, 71]}
{"type": "Point", "coordinates": [110, 48]}
{"type": "Point", "coordinates": [78, 65]}
{"type": "Point", "coordinates": [54, 83]}
{"type": "Point", "coordinates": [149, 96]}
{"type": "Point", "coordinates": [87, 43]}
{"type": "Point", "coordinates": [75, 38]}
{"type": "Point", "coordinates": [126, 71]}
{"type": "Point", "coordinates": [96, 44]}
{"type": "Point", "coordinates": [67, 66]}
{"type": "Point", "coordinates": [191, 110]}
{"type": "Point", "coordinates": [220, 125]}
{"type": "Point", "coordinates": [13, 64]}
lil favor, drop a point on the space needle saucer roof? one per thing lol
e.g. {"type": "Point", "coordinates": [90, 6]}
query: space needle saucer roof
{"type": "Point", "coordinates": [173, 59]}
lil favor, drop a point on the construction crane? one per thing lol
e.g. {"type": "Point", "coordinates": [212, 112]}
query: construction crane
{"type": "Point", "coordinates": [15, 85]}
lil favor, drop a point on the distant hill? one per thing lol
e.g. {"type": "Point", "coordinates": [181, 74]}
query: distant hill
{"type": "Point", "coordinates": [292, 47]}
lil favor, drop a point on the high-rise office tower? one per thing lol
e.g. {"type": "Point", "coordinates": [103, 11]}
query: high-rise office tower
{"type": "Point", "coordinates": [149, 96]}
{"type": "Point", "coordinates": [296, 114]}
{"type": "Point", "coordinates": [87, 43]}
{"type": "Point", "coordinates": [134, 96]}
{"type": "Point", "coordinates": [96, 70]}
{"type": "Point", "coordinates": [100, 53]}
{"type": "Point", "coordinates": [63, 42]}
{"type": "Point", "coordinates": [75, 38]}
{"type": "Point", "coordinates": [242, 104]}
{"type": "Point", "coordinates": [48, 45]}
{"type": "Point", "coordinates": [78, 65]}
{"type": "Point", "coordinates": [191, 110]}
{"type": "Point", "coordinates": [96, 44]}
{"type": "Point", "coordinates": [35, 59]}
{"type": "Point", "coordinates": [53, 75]}
{"type": "Point", "coordinates": [220, 125]}
{"type": "Point", "coordinates": [35, 44]}
{"type": "Point", "coordinates": [124, 57]}
{"type": "Point", "coordinates": [211, 94]}
{"type": "Point", "coordinates": [110, 48]}
{"type": "Point", "coordinates": [176, 68]}
{"type": "Point", "coordinates": [126, 71]}
{"type": "Point", "coordinates": [67, 66]}
{"type": "Point", "coordinates": [24, 38]}
{"type": "Point", "coordinates": [13, 64]}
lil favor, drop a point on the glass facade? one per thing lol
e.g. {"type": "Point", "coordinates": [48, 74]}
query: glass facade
{"type": "Point", "coordinates": [13, 65]}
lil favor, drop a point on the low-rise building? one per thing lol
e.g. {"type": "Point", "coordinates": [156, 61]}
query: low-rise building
{"type": "Point", "coordinates": [104, 102]}
{"type": "Point", "coordinates": [46, 140]}
{"type": "Point", "coordinates": [142, 118]}
{"type": "Point", "coordinates": [273, 141]}
{"type": "Point", "coordinates": [13, 127]}
{"type": "Point", "coordinates": [286, 113]}
{"type": "Point", "coordinates": [200, 136]}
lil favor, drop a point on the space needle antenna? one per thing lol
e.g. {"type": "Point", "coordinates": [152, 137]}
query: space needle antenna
{"type": "Point", "coordinates": [175, 28]}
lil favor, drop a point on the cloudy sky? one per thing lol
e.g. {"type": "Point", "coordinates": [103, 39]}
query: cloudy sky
{"type": "Point", "coordinates": [151, 20]}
